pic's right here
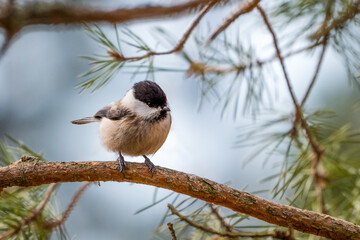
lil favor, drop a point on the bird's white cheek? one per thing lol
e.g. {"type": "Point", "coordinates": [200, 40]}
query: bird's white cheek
{"type": "Point", "coordinates": [137, 106]}
{"type": "Point", "coordinates": [144, 110]}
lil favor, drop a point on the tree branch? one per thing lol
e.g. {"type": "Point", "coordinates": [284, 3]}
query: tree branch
{"type": "Point", "coordinates": [321, 57]}
{"type": "Point", "coordinates": [35, 13]}
{"type": "Point", "coordinates": [318, 151]}
{"type": "Point", "coordinates": [243, 8]}
{"type": "Point", "coordinates": [202, 68]}
{"type": "Point", "coordinates": [36, 212]}
{"type": "Point", "coordinates": [53, 223]}
{"type": "Point", "coordinates": [172, 231]}
{"type": "Point", "coordinates": [224, 234]}
{"type": "Point", "coordinates": [350, 12]}
{"type": "Point", "coordinates": [215, 211]}
{"type": "Point", "coordinates": [28, 173]}
{"type": "Point", "coordinates": [179, 46]}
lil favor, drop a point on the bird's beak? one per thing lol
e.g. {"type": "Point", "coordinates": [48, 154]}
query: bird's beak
{"type": "Point", "coordinates": [166, 108]}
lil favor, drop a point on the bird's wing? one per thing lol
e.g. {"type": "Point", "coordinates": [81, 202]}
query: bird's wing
{"type": "Point", "coordinates": [112, 111]}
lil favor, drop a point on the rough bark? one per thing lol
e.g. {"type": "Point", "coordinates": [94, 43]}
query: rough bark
{"type": "Point", "coordinates": [42, 13]}
{"type": "Point", "coordinates": [32, 172]}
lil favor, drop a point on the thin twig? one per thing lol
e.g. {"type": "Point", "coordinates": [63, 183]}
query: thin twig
{"type": "Point", "coordinates": [224, 234]}
{"type": "Point", "coordinates": [179, 46]}
{"type": "Point", "coordinates": [315, 74]}
{"type": "Point", "coordinates": [299, 116]}
{"type": "Point", "coordinates": [55, 223]}
{"type": "Point", "coordinates": [172, 231]}
{"type": "Point", "coordinates": [36, 212]}
{"type": "Point", "coordinates": [319, 177]}
{"type": "Point", "coordinates": [351, 10]}
{"type": "Point", "coordinates": [243, 8]}
{"type": "Point", "coordinates": [215, 211]}
{"type": "Point", "coordinates": [202, 68]}
{"type": "Point", "coordinates": [278, 53]}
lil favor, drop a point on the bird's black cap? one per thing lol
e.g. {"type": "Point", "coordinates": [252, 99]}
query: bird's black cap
{"type": "Point", "coordinates": [150, 93]}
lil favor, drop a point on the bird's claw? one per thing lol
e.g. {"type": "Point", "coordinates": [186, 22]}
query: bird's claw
{"type": "Point", "coordinates": [150, 165]}
{"type": "Point", "coordinates": [122, 163]}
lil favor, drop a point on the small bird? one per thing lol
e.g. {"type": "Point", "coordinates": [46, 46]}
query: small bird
{"type": "Point", "coordinates": [138, 124]}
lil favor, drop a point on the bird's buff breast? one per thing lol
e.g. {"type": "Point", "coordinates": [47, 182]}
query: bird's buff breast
{"type": "Point", "coordinates": [134, 137]}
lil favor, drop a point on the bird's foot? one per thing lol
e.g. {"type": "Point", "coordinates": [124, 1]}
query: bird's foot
{"type": "Point", "coordinates": [121, 163]}
{"type": "Point", "coordinates": [150, 165]}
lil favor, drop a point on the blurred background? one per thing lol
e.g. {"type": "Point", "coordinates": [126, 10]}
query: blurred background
{"type": "Point", "coordinates": [38, 99]}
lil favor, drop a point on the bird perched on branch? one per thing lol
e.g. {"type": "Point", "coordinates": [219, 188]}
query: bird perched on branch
{"type": "Point", "coordinates": [135, 125]}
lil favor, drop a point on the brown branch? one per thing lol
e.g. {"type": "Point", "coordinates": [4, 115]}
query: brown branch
{"type": "Point", "coordinates": [172, 231]}
{"type": "Point", "coordinates": [243, 8]}
{"type": "Point", "coordinates": [215, 211]}
{"type": "Point", "coordinates": [300, 118]}
{"type": "Point", "coordinates": [278, 53]}
{"type": "Point", "coordinates": [179, 46]}
{"type": "Point", "coordinates": [26, 173]}
{"type": "Point", "coordinates": [317, 69]}
{"type": "Point", "coordinates": [318, 176]}
{"type": "Point", "coordinates": [35, 13]}
{"type": "Point", "coordinates": [202, 68]}
{"type": "Point", "coordinates": [55, 223]}
{"type": "Point", "coordinates": [36, 212]}
{"type": "Point", "coordinates": [329, 10]}
{"type": "Point", "coordinates": [224, 234]}
{"type": "Point", "coordinates": [349, 13]}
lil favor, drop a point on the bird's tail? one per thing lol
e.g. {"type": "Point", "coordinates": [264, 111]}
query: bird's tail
{"type": "Point", "coordinates": [85, 120]}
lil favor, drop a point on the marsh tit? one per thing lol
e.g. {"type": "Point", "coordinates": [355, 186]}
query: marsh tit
{"type": "Point", "coordinates": [135, 125]}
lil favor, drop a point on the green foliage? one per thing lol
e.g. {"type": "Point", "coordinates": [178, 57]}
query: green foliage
{"type": "Point", "coordinates": [312, 18]}
{"type": "Point", "coordinates": [18, 203]}
{"type": "Point", "coordinates": [105, 67]}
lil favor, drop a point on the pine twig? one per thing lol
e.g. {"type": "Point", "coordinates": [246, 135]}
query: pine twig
{"type": "Point", "coordinates": [315, 74]}
{"type": "Point", "coordinates": [351, 11]}
{"type": "Point", "coordinates": [172, 231]}
{"type": "Point", "coordinates": [299, 115]}
{"type": "Point", "coordinates": [179, 46]}
{"type": "Point", "coordinates": [55, 223]}
{"type": "Point", "coordinates": [224, 234]}
{"type": "Point", "coordinates": [36, 212]}
{"type": "Point", "coordinates": [199, 67]}
{"type": "Point", "coordinates": [329, 8]}
{"type": "Point", "coordinates": [278, 53]}
{"type": "Point", "coordinates": [215, 211]}
{"type": "Point", "coordinates": [243, 8]}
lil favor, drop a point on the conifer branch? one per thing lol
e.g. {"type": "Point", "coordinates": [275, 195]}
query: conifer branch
{"type": "Point", "coordinates": [56, 223]}
{"type": "Point", "coordinates": [215, 211]}
{"type": "Point", "coordinates": [179, 46]}
{"type": "Point", "coordinates": [317, 70]}
{"type": "Point", "coordinates": [43, 13]}
{"type": "Point", "coordinates": [172, 231]}
{"type": "Point", "coordinates": [36, 212]}
{"type": "Point", "coordinates": [243, 8]}
{"type": "Point", "coordinates": [229, 234]}
{"type": "Point", "coordinates": [28, 173]}
{"type": "Point", "coordinates": [318, 151]}
{"type": "Point", "coordinates": [348, 13]}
